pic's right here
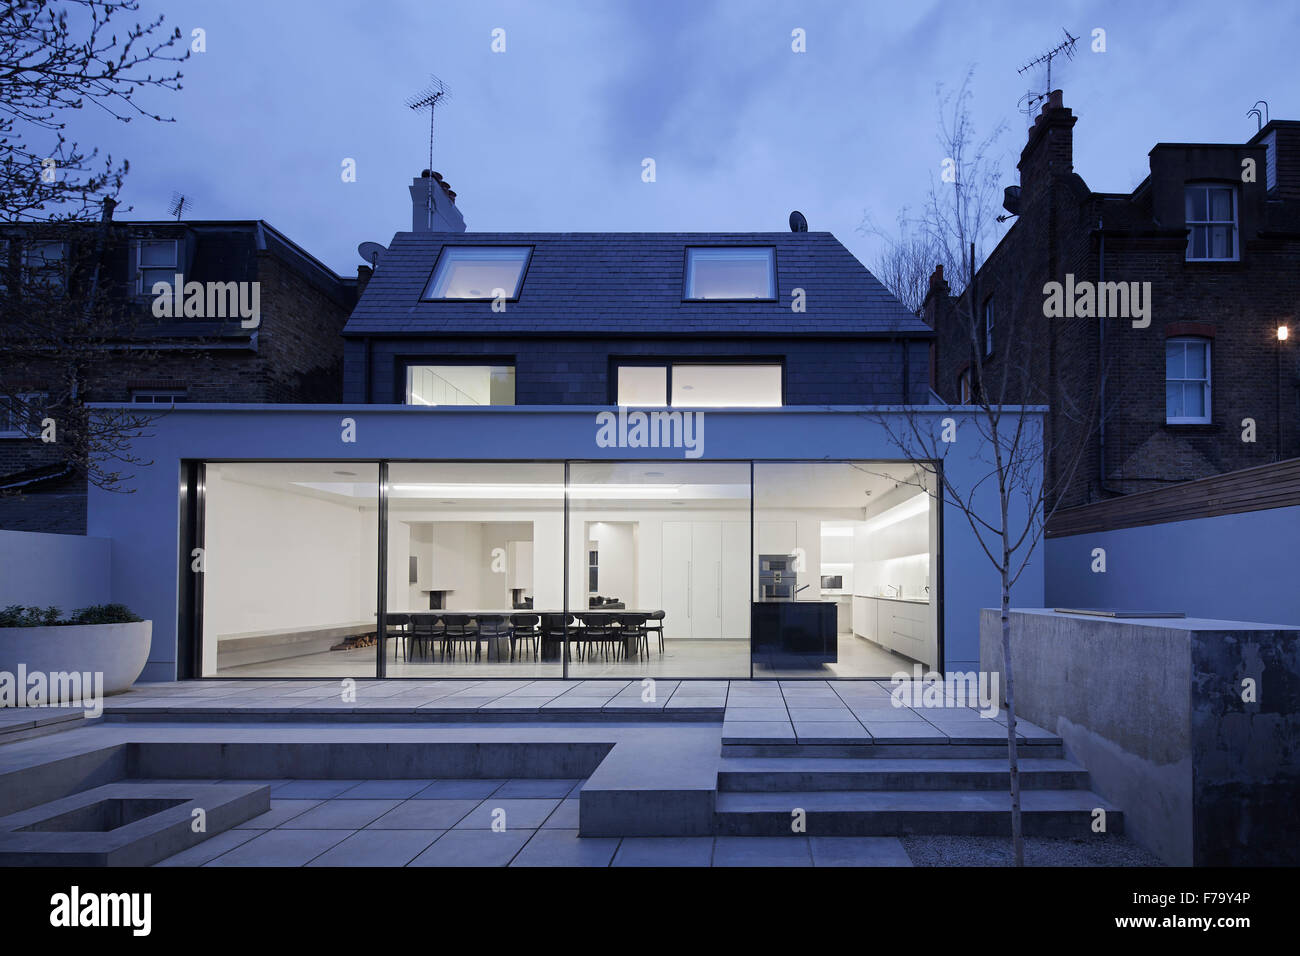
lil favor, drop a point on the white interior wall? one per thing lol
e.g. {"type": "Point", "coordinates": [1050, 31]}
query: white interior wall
{"type": "Point", "coordinates": [279, 559]}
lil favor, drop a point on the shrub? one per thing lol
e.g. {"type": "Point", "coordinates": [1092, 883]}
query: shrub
{"type": "Point", "coordinates": [15, 615]}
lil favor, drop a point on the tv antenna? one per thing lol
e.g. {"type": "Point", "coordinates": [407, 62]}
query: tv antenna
{"type": "Point", "coordinates": [1261, 116]}
{"type": "Point", "coordinates": [179, 205]}
{"type": "Point", "coordinates": [1064, 48]}
{"type": "Point", "coordinates": [429, 98]}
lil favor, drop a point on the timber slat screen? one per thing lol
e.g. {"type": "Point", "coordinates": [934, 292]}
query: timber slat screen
{"type": "Point", "coordinates": [1275, 485]}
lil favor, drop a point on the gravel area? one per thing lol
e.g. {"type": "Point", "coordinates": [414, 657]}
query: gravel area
{"type": "Point", "coordinates": [1101, 850]}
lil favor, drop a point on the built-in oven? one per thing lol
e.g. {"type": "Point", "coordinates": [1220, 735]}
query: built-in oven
{"type": "Point", "coordinates": [777, 577]}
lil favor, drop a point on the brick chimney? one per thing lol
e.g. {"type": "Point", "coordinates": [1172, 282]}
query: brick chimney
{"type": "Point", "coordinates": [935, 298]}
{"type": "Point", "coordinates": [1050, 149]}
{"type": "Point", "coordinates": [444, 216]}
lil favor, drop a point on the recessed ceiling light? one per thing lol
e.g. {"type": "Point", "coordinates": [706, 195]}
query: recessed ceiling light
{"type": "Point", "coordinates": [346, 474]}
{"type": "Point", "coordinates": [679, 502]}
{"type": "Point", "coordinates": [654, 474]}
{"type": "Point", "coordinates": [448, 502]}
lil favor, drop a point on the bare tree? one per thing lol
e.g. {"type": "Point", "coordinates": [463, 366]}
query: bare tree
{"type": "Point", "coordinates": [904, 266]}
{"type": "Point", "coordinates": [64, 325]}
{"type": "Point", "coordinates": [1011, 445]}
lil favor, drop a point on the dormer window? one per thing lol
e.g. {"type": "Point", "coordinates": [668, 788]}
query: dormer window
{"type": "Point", "coordinates": [478, 272]}
{"type": "Point", "coordinates": [154, 260]}
{"type": "Point", "coordinates": [1211, 219]}
{"type": "Point", "coordinates": [731, 273]}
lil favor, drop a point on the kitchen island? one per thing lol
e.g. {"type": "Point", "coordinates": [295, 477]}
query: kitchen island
{"type": "Point", "coordinates": [793, 633]}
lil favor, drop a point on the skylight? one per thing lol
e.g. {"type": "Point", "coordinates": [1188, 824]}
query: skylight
{"type": "Point", "coordinates": [478, 272]}
{"type": "Point", "coordinates": [731, 273]}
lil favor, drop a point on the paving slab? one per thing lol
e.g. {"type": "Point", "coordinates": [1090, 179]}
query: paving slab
{"type": "Point", "coordinates": [757, 732]}
{"type": "Point", "coordinates": [424, 815]}
{"type": "Point", "coordinates": [474, 848]}
{"type": "Point", "coordinates": [312, 789]}
{"type": "Point", "coordinates": [281, 810]}
{"type": "Point", "coordinates": [761, 851]}
{"type": "Point", "coordinates": [565, 816]}
{"type": "Point", "coordinates": [535, 788]}
{"type": "Point", "coordinates": [281, 848]}
{"type": "Point", "coordinates": [459, 790]}
{"type": "Point", "coordinates": [378, 848]}
{"type": "Point", "coordinates": [858, 851]}
{"type": "Point", "coordinates": [209, 849]}
{"type": "Point", "coordinates": [521, 814]}
{"type": "Point", "coordinates": [566, 848]}
{"type": "Point", "coordinates": [340, 815]}
{"type": "Point", "coordinates": [664, 851]}
{"type": "Point", "coordinates": [385, 789]}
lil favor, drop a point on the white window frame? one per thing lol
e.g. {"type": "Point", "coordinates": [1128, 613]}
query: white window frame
{"type": "Point", "coordinates": [158, 396]}
{"type": "Point", "coordinates": [668, 381]}
{"type": "Point", "coordinates": [1192, 223]}
{"type": "Point", "coordinates": [452, 254]}
{"type": "Point", "coordinates": [1207, 382]}
{"type": "Point", "coordinates": [768, 252]}
{"type": "Point", "coordinates": [988, 326]}
{"type": "Point", "coordinates": [137, 270]}
{"type": "Point", "coordinates": [966, 387]}
{"type": "Point", "coordinates": [5, 246]}
{"type": "Point", "coordinates": [27, 398]}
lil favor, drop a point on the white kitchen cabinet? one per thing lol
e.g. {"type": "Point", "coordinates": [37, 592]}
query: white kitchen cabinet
{"type": "Point", "coordinates": [705, 579]}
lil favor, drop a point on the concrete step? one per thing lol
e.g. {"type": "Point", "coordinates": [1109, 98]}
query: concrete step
{"type": "Point", "coordinates": [873, 750]}
{"type": "Point", "coordinates": [804, 774]}
{"type": "Point", "coordinates": [1058, 813]}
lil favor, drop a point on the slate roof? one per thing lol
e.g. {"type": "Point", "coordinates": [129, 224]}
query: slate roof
{"type": "Point", "coordinates": [630, 283]}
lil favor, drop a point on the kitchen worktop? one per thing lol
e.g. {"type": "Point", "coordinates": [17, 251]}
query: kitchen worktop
{"type": "Point", "coordinates": [900, 600]}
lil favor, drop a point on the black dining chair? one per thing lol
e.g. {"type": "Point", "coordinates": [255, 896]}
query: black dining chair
{"type": "Point", "coordinates": [397, 628]}
{"type": "Point", "coordinates": [495, 629]}
{"type": "Point", "coordinates": [524, 627]}
{"type": "Point", "coordinates": [599, 631]}
{"type": "Point", "coordinates": [558, 630]}
{"type": "Point", "coordinates": [655, 625]}
{"type": "Point", "coordinates": [632, 632]}
{"type": "Point", "coordinates": [461, 629]}
{"type": "Point", "coordinates": [426, 630]}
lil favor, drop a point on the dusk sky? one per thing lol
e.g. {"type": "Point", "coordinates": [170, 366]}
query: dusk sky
{"type": "Point", "coordinates": [550, 135]}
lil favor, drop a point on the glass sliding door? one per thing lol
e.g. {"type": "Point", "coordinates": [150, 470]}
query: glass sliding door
{"type": "Point", "coordinates": [475, 584]}
{"type": "Point", "coordinates": [845, 569]}
{"type": "Point", "coordinates": [659, 569]}
{"type": "Point", "coordinates": [290, 569]}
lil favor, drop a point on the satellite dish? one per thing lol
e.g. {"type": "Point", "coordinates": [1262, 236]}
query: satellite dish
{"type": "Point", "coordinates": [372, 252]}
{"type": "Point", "coordinates": [797, 222]}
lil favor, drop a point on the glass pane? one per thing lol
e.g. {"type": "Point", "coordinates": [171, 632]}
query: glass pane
{"type": "Point", "coordinates": [477, 272]}
{"type": "Point", "coordinates": [486, 542]}
{"type": "Point", "coordinates": [158, 254]}
{"type": "Point", "coordinates": [871, 528]}
{"type": "Point", "coordinates": [460, 385]}
{"type": "Point", "coordinates": [731, 274]}
{"type": "Point", "coordinates": [727, 386]}
{"type": "Point", "coordinates": [1175, 364]}
{"type": "Point", "coordinates": [149, 277]}
{"type": "Point", "coordinates": [1173, 400]}
{"type": "Point", "coordinates": [1221, 205]}
{"type": "Point", "coordinates": [1220, 239]}
{"type": "Point", "coordinates": [644, 385]}
{"type": "Point", "coordinates": [673, 545]}
{"type": "Point", "coordinates": [290, 569]}
{"type": "Point", "coordinates": [1195, 354]}
{"type": "Point", "coordinates": [1195, 203]}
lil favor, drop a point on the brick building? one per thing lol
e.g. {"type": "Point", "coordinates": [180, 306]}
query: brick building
{"type": "Point", "coordinates": [1197, 379]}
{"type": "Point", "coordinates": [291, 354]}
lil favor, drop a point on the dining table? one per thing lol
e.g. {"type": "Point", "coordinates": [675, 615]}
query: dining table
{"type": "Point", "coordinates": [498, 648]}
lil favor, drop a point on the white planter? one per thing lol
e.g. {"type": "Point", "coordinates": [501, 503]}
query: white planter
{"type": "Point", "coordinates": [118, 651]}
